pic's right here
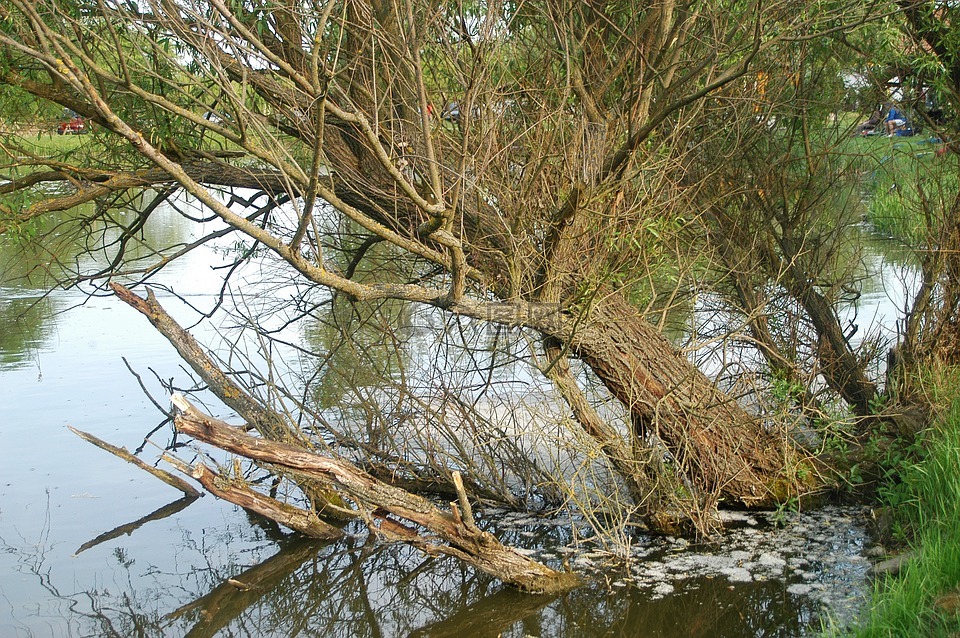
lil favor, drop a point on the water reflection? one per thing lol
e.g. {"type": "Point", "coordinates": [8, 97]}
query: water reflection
{"type": "Point", "coordinates": [207, 570]}
{"type": "Point", "coordinates": [700, 609]}
{"type": "Point", "coordinates": [26, 327]}
{"type": "Point", "coordinates": [57, 250]}
{"type": "Point", "coordinates": [493, 615]}
{"type": "Point", "coordinates": [227, 602]}
{"type": "Point", "coordinates": [128, 528]}
{"type": "Point", "coordinates": [291, 586]}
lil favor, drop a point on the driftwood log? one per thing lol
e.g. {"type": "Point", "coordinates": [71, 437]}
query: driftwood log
{"type": "Point", "coordinates": [389, 511]}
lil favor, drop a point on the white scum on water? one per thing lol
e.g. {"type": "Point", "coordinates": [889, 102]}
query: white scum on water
{"type": "Point", "coordinates": [817, 554]}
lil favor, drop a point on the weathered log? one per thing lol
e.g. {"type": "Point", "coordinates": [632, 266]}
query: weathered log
{"type": "Point", "coordinates": [267, 422]}
{"type": "Point", "coordinates": [163, 475]}
{"type": "Point", "coordinates": [239, 493]}
{"type": "Point", "coordinates": [448, 533]}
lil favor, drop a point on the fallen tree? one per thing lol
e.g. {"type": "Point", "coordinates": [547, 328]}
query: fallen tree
{"type": "Point", "coordinates": [390, 512]}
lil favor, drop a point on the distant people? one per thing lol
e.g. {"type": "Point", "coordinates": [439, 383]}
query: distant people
{"type": "Point", "coordinates": [894, 121]}
{"type": "Point", "coordinates": [870, 126]}
{"type": "Point", "coordinates": [931, 106]}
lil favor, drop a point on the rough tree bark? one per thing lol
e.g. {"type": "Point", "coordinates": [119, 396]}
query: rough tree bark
{"type": "Point", "coordinates": [725, 452]}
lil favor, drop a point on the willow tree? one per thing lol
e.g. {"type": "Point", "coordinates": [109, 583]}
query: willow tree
{"type": "Point", "coordinates": [783, 222]}
{"type": "Point", "coordinates": [512, 160]}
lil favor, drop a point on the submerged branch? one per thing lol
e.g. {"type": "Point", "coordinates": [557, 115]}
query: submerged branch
{"type": "Point", "coordinates": [442, 532]}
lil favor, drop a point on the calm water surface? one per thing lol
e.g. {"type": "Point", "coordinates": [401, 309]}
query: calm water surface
{"type": "Point", "coordinates": [170, 577]}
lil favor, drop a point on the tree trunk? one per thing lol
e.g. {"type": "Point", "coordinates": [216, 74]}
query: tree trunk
{"type": "Point", "coordinates": [657, 491]}
{"type": "Point", "coordinates": [725, 453]}
{"type": "Point", "coordinates": [842, 370]}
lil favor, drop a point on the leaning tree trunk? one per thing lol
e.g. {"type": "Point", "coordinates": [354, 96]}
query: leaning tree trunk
{"type": "Point", "coordinates": [725, 452]}
{"type": "Point", "coordinates": [841, 367]}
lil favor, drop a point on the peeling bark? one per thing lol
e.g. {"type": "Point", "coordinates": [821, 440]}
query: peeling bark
{"type": "Point", "coordinates": [236, 492]}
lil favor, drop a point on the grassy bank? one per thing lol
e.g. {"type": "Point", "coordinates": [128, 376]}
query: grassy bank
{"type": "Point", "coordinates": [911, 190]}
{"type": "Point", "coordinates": [922, 495]}
{"type": "Point", "coordinates": [911, 187]}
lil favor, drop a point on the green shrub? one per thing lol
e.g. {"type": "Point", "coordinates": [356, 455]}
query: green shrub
{"type": "Point", "coordinates": [922, 490]}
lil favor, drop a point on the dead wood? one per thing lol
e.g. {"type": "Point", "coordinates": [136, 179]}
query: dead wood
{"type": "Point", "coordinates": [426, 481]}
{"type": "Point", "coordinates": [267, 422]}
{"type": "Point", "coordinates": [163, 475]}
{"type": "Point", "coordinates": [239, 493]}
{"type": "Point", "coordinates": [415, 520]}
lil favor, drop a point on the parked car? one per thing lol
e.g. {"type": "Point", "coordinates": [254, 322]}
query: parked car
{"type": "Point", "coordinates": [73, 126]}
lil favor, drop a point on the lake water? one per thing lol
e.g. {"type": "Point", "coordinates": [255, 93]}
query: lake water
{"type": "Point", "coordinates": [62, 364]}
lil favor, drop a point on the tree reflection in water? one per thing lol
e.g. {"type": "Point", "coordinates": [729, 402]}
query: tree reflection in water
{"type": "Point", "coordinates": [357, 589]}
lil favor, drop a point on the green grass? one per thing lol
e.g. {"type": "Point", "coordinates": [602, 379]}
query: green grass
{"type": "Point", "coordinates": [925, 495]}
{"type": "Point", "coordinates": [42, 146]}
{"type": "Point", "coordinates": [911, 189]}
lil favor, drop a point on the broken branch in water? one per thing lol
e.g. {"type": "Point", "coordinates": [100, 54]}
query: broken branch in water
{"type": "Point", "coordinates": [446, 533]}
{"type": "Point", "coordinates": [163, 475]}
{"type": "Point", "coordinates": [303, 521]}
